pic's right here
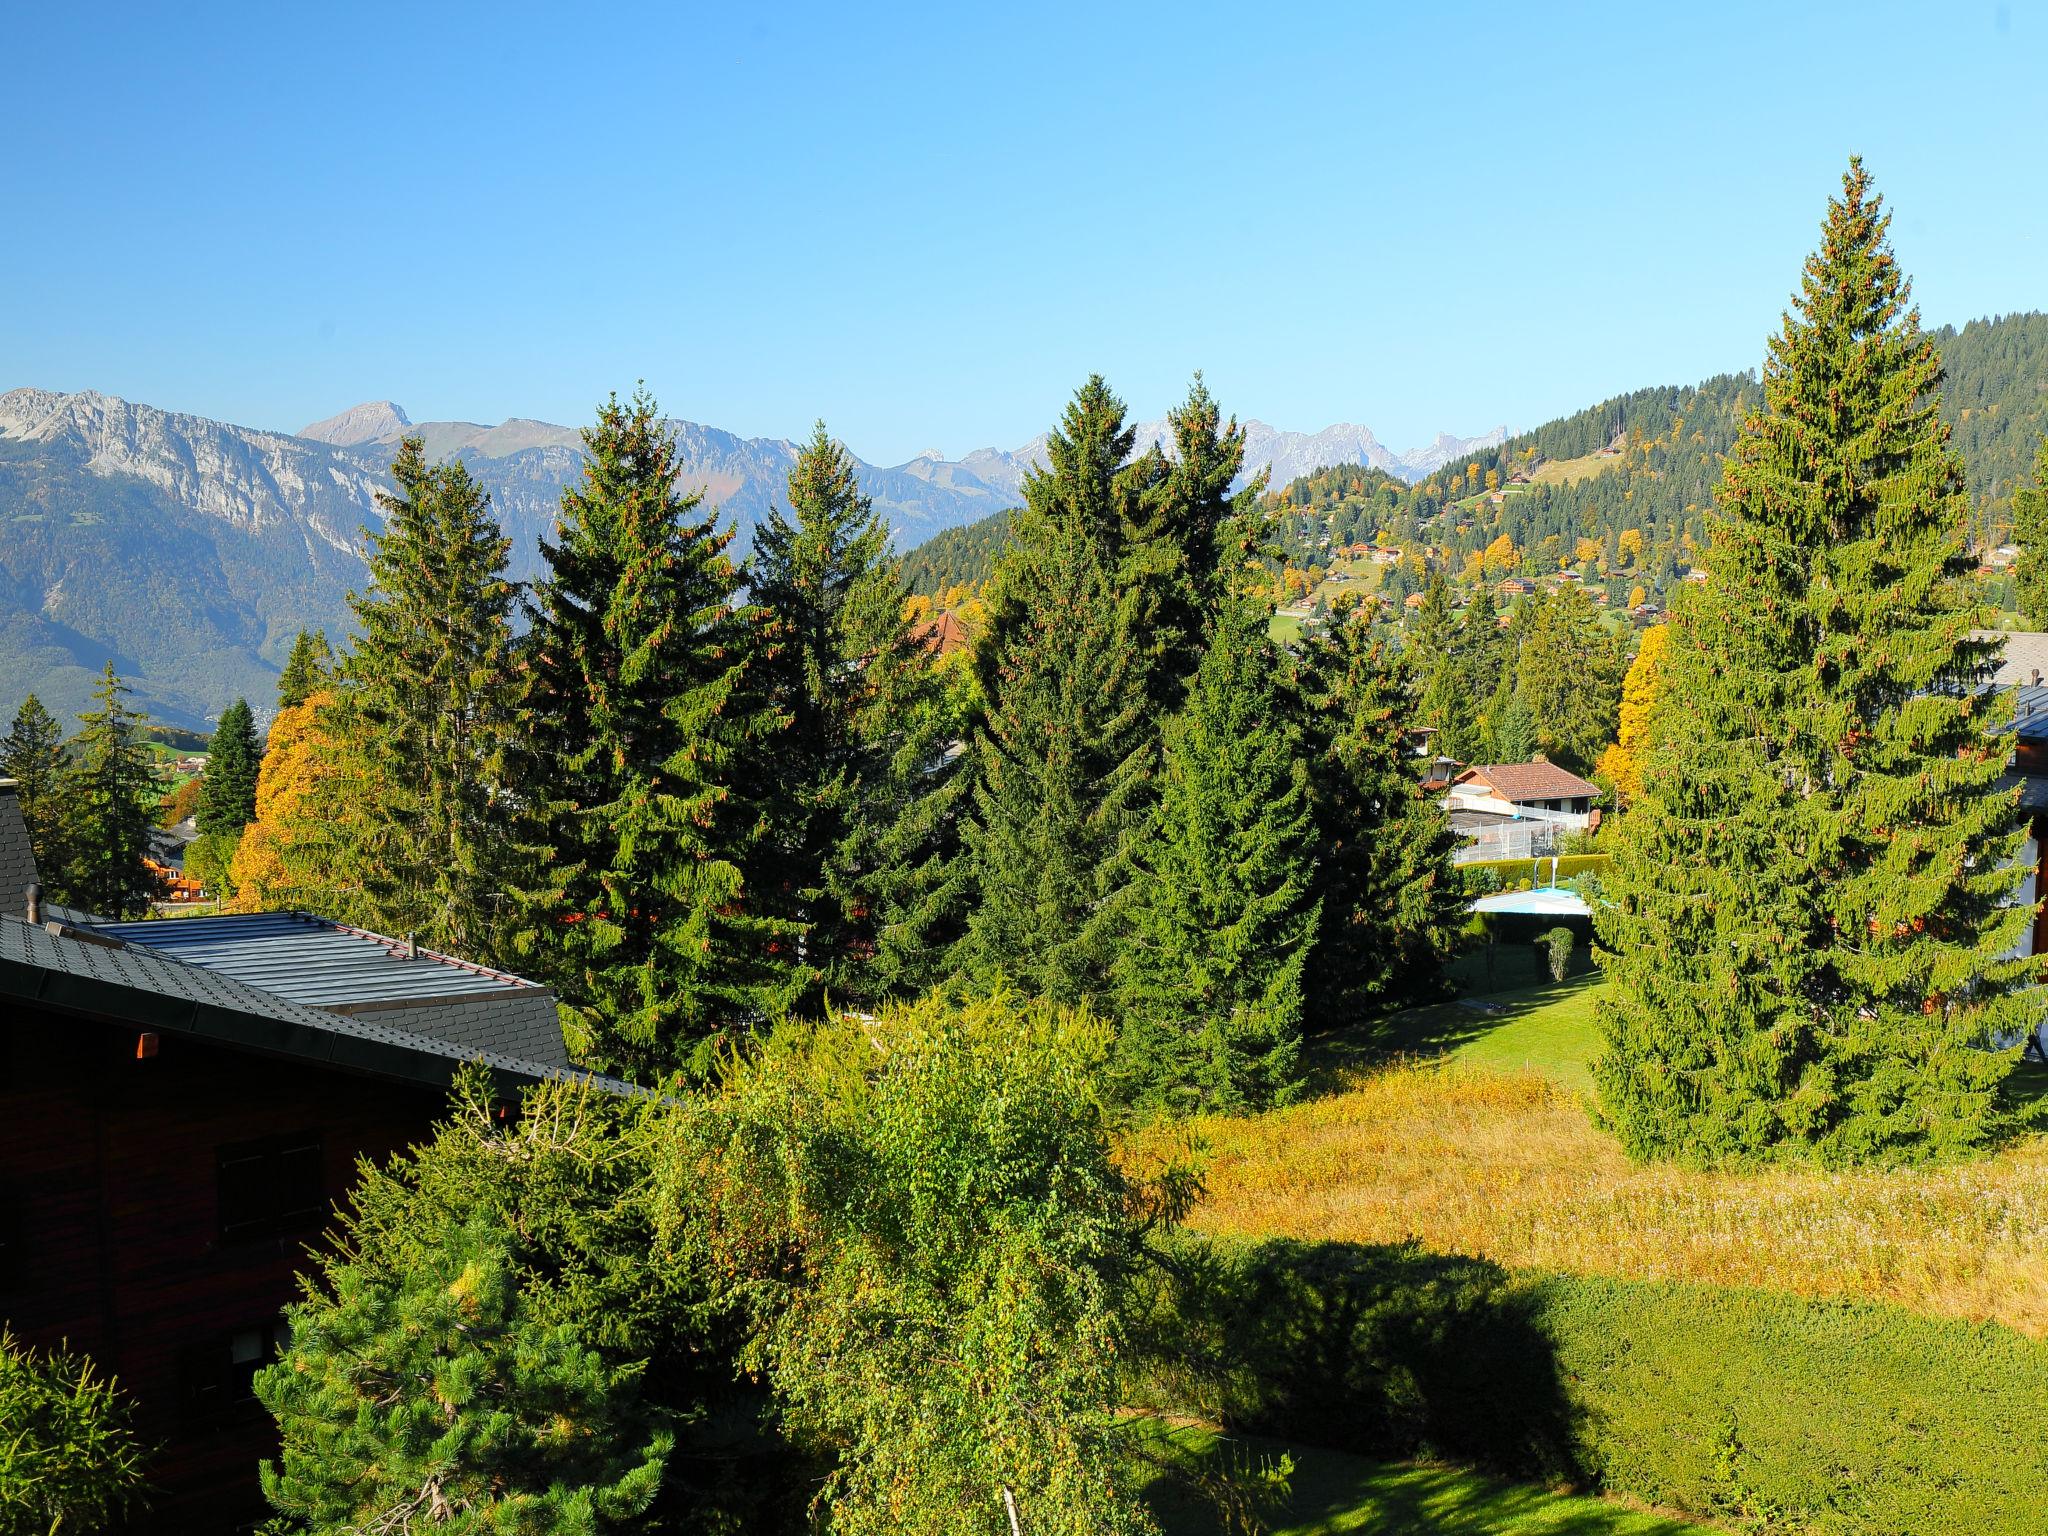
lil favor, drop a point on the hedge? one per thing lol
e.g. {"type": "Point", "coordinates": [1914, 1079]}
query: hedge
{"type": "Point", "coordinates": [1511, 873]}
{"type": "Point", "coordinates": [1765, 1411]}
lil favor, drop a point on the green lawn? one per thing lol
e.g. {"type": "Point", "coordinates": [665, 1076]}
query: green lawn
{"type": "Point", "coordinates": [1329, 1492]}
{"type": "Point", "coordinates": [1548, 1029]}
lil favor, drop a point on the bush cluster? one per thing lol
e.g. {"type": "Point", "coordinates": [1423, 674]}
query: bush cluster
{"type": "Point", "coordinates": [1768, 1412]}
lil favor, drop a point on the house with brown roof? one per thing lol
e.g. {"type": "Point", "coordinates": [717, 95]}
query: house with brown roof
{"type": "Point", "coordinates": [1517, 810]}
{"type": "Point", "coordinates": [1517, 789]}
{"type": "Point", "coordinates": [943, 633]}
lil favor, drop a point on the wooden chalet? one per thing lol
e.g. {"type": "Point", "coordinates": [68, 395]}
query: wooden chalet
{"type": "Point", "coordinates": [182, 1102]}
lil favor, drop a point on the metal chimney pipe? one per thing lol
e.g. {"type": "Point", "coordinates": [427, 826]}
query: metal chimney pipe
{"type": "Point", "coordinates": [35, 903]}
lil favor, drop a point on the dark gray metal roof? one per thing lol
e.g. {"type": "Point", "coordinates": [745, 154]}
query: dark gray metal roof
{"type": "Point", "coordinates": [330, 966]}
{"type": "Point", "coordinates": [17, 859]}
{"type": "Point", "coordinates": [146, 990]}
{"type": "Point", "coordinates": [311, 960]}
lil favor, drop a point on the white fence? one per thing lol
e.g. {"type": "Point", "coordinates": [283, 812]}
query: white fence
{"type": "Point", "coordinates": [1513, 840]}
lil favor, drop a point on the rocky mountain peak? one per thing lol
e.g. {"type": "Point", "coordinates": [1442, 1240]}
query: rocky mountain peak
{"type": "Point", "coordinates": [364, 423]}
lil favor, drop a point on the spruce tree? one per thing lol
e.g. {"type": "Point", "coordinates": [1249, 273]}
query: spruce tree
{"type": "Point", "coordinates": [2030, 528]}
{"type": "Point", "coordinates": [1209, 981]}
{"type": "Point", "coordinates": [1568, 676]}
{"type": "Point", "coordinates": [227, 792]}
{"type": "Point", "coordinates": [1446, 706]}
{"type": "Point", "coordinates": [1433, 627]}
{"type": "Point", "coordinates": [866, 737]}
{"type": "Point", "coordinates": [1389, 900]}
{"type": "Point", "coordinates": [105, 804]}
{"type": "Point", "coordinates": [644, 769]}
{"type": "Point", "coordinates": [1063, 757]}
{"type": "Point", "coordinates": [306, 670]}
{"type": "Point", "coordinates": [32, 754]}
{"type": "Point", "coordinates": [1186, 531]}
{"type": "Point", "coordinates": [415, 806]}
{"type": "Point", "coordinates": [1805, 925]}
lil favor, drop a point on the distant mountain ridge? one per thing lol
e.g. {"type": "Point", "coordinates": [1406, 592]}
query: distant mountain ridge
{"type": "Point", "coordinates": [189, 551]}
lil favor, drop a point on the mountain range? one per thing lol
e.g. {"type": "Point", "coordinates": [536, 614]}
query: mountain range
{"type": "Point", "coordinates": [190, 551]}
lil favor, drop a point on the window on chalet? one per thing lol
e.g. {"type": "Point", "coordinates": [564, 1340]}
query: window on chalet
{"type": "Point", "coordinates": [271, 1188]}
{"type": "Point", "coordinates": [221, 1374]}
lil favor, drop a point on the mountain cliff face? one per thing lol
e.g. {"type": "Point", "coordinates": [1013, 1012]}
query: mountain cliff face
{"type": "Point", "coordinates": [190, 551]}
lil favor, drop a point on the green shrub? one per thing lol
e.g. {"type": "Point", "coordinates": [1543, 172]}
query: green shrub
{"type": "Point", "coordinates": [1558, 950]}
{"type": "Point", "coordinates": [1507, 871]}
{"type": "Point", "coordinates": [1479, 879]}
{"type": "Point", "coordinates": [1765, 1411]}
{"type": "Point", "coordinates": [68, 1456]}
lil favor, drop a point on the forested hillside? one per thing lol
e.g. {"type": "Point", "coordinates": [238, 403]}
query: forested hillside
{"type": "Point", "coordinates": [1649, 460]}
{"type": "Point", "coordinates": [1645, 461]}
{"type": "Point", "coordinates": [957, 557]}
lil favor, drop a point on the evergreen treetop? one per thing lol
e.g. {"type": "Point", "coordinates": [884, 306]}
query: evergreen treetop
{"type": "Point", "coordinates": [1188, 533]}
{"type": "Point", "coordinates": [864, 789]}
{"type": "Point", "coordinates": [306, 670]}
{"type": "Point", "coordinates": [644, 766]}
{"type": "Point", "coordinates": [1065, 748]}
{"type": "Point", "coordinates": [423, 719]}
{"type": "Point", "coordinates": [32, 754]}
{"type": "Point", "coordinates": [1805, 922]}
{"type": "Point", "coordinates": [227, 790]}
{"type": "Point", "coordinates": [2030, 528]}
{"type": "Point", "coordinates": [1209, 978]}
{"type": "Point", "coordinates": [105, 802]}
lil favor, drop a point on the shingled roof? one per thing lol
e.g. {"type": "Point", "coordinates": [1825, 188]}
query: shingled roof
{"type": "Point", "coordinates": [1523, 782]}
{"type": "Point", "coordinates": [145, 990]}
{"type": "Point", "coordinates": [17, 859]}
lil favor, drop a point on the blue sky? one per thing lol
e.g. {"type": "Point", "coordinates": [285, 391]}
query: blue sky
{"type": "Point", "coordinates": [927, 225]}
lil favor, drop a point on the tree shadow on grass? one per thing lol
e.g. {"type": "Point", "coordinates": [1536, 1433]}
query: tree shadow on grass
{"type": "Point", "coordinates": [1360, 1355]}
{"type": "Point", "coordinates": [1335, 1060]}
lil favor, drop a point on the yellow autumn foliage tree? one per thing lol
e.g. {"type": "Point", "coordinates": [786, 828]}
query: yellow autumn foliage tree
{"type": "Point", "coordinates": [265, 874]}
{"type": "Point", "coordinates": [1622, 763]}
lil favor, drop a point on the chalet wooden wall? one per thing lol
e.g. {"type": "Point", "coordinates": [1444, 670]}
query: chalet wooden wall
{"type": "Point", "coordinates": [109, 1170]}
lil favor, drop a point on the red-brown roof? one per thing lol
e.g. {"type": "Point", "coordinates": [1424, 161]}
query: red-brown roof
{"type": "Point", "coordinates": [1521, 782]}
{"type": "Point", "coordinates": [944, 633]}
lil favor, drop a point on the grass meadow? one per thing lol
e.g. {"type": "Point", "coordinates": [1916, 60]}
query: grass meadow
{"type": "Point", "coordinates": [1471, 1131]}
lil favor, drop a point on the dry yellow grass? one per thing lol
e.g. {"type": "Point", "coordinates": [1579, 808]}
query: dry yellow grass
{"type": "Point", "coordinates": [1571, 471]}
{"type": "Point", "coordinates": [1506, 1166]}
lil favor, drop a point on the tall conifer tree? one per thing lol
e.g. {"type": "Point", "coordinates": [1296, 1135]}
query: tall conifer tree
{"type": "Point", "coordinates": [645, 766]}
{"type": "Point", "coordinates": [306, 670]}
{"type": "Point", "coordinates": [1065, 753]}
{"type": "Point", "coordinates": [416, 808]}
{"type": "Point", "coordinates": [106, 802]}
{"type": "Point", "coordinates": [227, 792]}
{"type": "Point", "coordinates": [32, 754]}
{"type": "Point", "coordinates": [855, 842]}
{"type": "Point", "coordinates": [1805, 923]}
{"type": "Point", "coordinates": [1209, 981]}
{"type": "Point", "coordinates": [2030, 528]}
{"type": "Point", "coordinates": [1389, 901]}
{"type": "Point", "coordinates": [1186, 533]}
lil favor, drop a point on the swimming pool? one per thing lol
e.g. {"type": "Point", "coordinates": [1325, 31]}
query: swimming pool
{"type": "Point", "coordinates": [1550, 903]}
